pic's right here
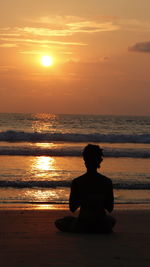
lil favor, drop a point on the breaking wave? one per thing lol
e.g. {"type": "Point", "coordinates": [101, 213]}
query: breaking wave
{"type": "Point", "coordinates": [17, 136]}
{"type": "Point", "coordinates": [71, 151]}
{"type": "Point", "coordinates": [55, 184]}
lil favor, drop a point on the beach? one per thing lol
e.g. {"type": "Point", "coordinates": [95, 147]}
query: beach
{"type": "Point", "coordinates": [40, 155]}
{"type": "Point", "coordinates": [29, 238]}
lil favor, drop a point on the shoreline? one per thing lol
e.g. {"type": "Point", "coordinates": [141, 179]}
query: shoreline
{"type": "Point", "coordinates": [46, 206]}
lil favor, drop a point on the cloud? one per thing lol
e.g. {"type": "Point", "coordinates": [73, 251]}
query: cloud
{"type": "Point", "coordinates": [41, 31]}
{"type": "Point", "coordinates": [43, 41]}
{"type": "Point", "coordinates": [69, 29]}
{"type": "Point", "coordinates": [61, 26]}
{"type": "Point", "coordinates": [140, 47]}
{"type": "Point", "coordinates": [91, 27]}
{"type": "Point", "coordinates": [46, 29]}
{"type": "Point", "coordinates": [59, 30]}
{"type": "Point", "coordinates": [70, 25]}
{"type": "Point", "coordinates": [8, 45]}
{"type": "Point", "coordinates": [77, 23]}
{"type": "Point", "coordinates": [133, 25]}
{"type": "Point", "coordinates": [54, 19]}
{"type": "Point", "coordinates": [31, 52]}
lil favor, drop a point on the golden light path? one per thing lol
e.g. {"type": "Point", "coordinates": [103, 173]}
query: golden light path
{"type": "Point", "coordinates": [40, 166]}
{"type": "Point", "coordinates": [44, 163]}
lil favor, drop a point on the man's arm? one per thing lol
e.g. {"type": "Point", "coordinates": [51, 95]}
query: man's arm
{"type": "Point", "coordinates": [74, 201]}
{"type": "Point", "coordinates": [109, 201]}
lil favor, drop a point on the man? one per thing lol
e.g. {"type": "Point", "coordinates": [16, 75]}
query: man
{"type": "Point", "coordinates": [93, 194]}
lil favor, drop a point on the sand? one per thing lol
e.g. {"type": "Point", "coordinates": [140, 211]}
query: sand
{"type": "Point", "coordinates": [29, 238]}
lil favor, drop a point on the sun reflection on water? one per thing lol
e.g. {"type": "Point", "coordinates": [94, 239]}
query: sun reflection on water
{"type": "Point", "coordinates": [44, 163]}
{"type": "Point", "coordinates": [46, 196]}
{"type": "Point", "coordinates": [44, 145]}
{"type": "Point", "coordinates": [45, 168]}
{"type": "Point", "coordinates": [43, 122]}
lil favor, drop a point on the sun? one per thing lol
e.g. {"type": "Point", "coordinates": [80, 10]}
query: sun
{"type": "Point", "coordinates": [46, 61]}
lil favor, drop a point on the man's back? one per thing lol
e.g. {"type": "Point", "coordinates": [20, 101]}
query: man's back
{"type": "Point", "coordinates": [92, 192]}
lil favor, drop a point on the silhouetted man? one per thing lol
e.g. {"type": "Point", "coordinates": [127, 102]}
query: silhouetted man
{"type": "Point", "coordinates": [93, 194]}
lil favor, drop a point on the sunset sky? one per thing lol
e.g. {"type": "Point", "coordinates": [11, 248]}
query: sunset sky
{"type": "Point", "coordinates": [100, 52]}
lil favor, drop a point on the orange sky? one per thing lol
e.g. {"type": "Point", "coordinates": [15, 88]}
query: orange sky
{"type": "Point", "coordinates": [101, 52]}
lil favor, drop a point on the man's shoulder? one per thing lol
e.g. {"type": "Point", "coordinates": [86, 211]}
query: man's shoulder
{"type": "Point", "coordinates": [105, 178]}
{"type": "Point", "coordinates": [79, 179]}
{"type": "Point", "coordinates": [83, 178]}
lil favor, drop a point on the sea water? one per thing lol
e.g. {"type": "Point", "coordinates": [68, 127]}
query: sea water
{"type": "Point", "coordinates": [40, 154]}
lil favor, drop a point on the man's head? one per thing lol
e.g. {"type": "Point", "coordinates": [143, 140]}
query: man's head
{"type": "Point", "coordinates": [93, 156]}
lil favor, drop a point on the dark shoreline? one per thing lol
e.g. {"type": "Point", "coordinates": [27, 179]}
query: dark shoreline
{"type": "Point", "coordinates": [60, 206]}
{"type": "Point", "coordinates": [29, 238]}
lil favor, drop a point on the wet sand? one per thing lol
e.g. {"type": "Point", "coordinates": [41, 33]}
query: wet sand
{"type": "Point", "coordinates": [29, 238]}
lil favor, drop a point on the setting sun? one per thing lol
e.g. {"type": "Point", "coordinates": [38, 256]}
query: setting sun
{"type": "Point", "coordinates": [46, 61]}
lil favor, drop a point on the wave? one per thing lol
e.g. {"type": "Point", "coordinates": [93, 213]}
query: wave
{"type": "Point", "coordinates": [18, 136]}
{"type": "Point", "coordinates": [72, 151]}
{"type": "Point", "coordinates": [55, 184]}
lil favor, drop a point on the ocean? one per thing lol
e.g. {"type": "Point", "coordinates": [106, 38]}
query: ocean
{"type": "Point", "coordinates": [40, 154]}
